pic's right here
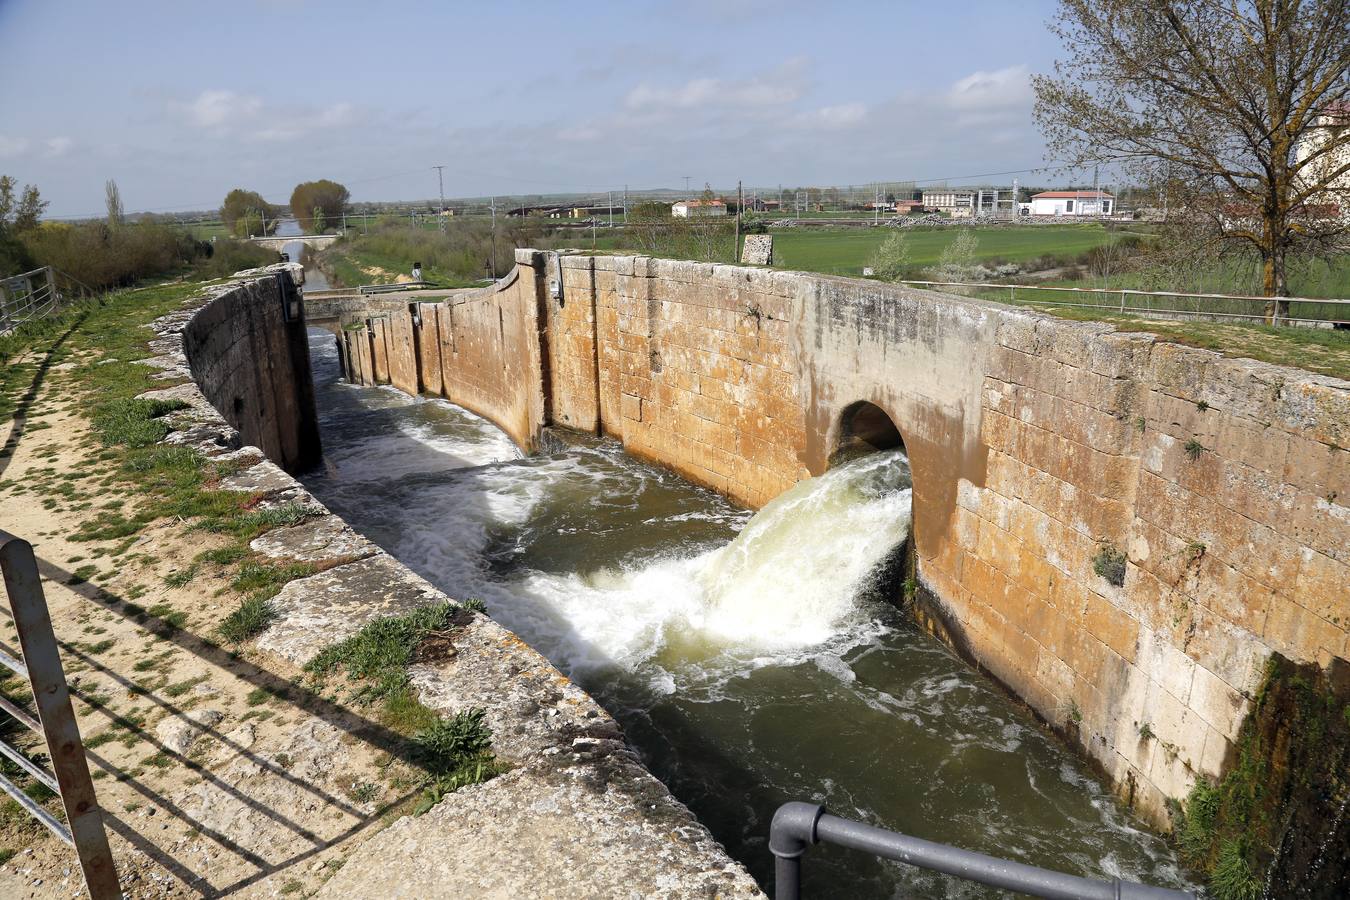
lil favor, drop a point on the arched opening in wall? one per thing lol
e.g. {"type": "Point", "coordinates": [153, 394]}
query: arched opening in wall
{"type": "Point", "coordinates": [866, 429]}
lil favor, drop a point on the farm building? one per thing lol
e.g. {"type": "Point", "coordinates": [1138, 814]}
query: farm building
{"type": "Point", "coordinates": [1326, 138]}
{"type": "Point", "coordinates": [957, 204]}
{"type": "Point", "coordinates": [1072, 203]}
{"type": "Point", "coordinates": [698, 209]}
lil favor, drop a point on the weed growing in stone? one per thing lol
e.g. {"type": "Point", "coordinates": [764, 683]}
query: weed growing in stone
{"type": "Point", "coordinates": [1193, 449]}
{"type": "Point", "coordinates": [1109, 563]}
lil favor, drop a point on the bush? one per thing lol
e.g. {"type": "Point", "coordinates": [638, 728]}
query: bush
{"type": "Point", "coordinates": [460, 255]}
{"type": "Point", "coordinates": [228, 256]}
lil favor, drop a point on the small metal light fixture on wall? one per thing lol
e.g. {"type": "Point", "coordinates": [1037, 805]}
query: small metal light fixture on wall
{"type": "Point", "coordinates": [415, 310]}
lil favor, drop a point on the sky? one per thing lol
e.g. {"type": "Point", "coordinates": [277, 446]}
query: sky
{"type": "Point", "coordinates": [181, 101]}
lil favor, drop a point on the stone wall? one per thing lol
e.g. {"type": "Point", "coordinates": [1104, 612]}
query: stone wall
{"type": "Point", "coordinates": [1039, 447]}
{"type": "Point", "coordinates": [479, 348]}
{"type": "Point", "coordinates": [577, 813]}
{"type": "Point", "coordinates": [252, 363]}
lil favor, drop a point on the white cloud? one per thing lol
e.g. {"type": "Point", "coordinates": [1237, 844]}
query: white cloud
{"type": "Point", "coordinates": [59, 146]}
{"type": "Point", "coordinates": [579, 134]}
{"type": "Point", "coordinates": [778, 87]}
{"type": "Point", "coordinates": [1002, 89]}
{"type": "Point", "coordinates": [225, 112]}
{"type": "Point", "coordinates": [220, 110]}
{"type": "Point", "coordinates": [843, 115]}
{"type": "Point", "coordinates": [10, 147]}
{"type": "Point", "coordinates": [287, 126]}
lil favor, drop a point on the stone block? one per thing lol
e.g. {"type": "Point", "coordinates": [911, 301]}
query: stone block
{"type": "Point", "coordinates": [1218, 703]}
{"type": "Point", "coordinates": [631, 407]}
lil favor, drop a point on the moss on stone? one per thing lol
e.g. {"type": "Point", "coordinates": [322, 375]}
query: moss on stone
{"type": "Point", "coordinates": [1275, 825]}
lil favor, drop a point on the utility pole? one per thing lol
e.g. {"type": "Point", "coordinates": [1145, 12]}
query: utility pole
{"type": "Point", "coordinates": [440, 181]}
{"type": "Point", "coordinates": [686, 187]}
{"type": "Point", "coordinates": [493, 207]}
{"type": "Point", "coordinates": [740, 203]}
{"type": "Point", "coordinates": [625, 205]}
{"type": "Point", "coordinates": [611, 209]}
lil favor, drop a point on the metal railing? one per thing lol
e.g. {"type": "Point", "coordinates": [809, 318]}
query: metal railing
{"type": "Point", "coordinates": [30, 296]}
{"type": "Point", "coordinates": [55, 721]}
{"type": "Point", "coordinates": [796, 826]}
{"type": "Point", "coordinates": [1128, 301]}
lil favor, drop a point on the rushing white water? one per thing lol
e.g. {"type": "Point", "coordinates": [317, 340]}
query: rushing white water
{"type": "Point", "coordinates": [775, 587]}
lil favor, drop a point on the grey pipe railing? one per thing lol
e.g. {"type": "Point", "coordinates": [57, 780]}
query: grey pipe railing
{"type": "Point", "coordinates": [796, 826]}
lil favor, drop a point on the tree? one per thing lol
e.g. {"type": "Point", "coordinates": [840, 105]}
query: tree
{"type": "Point", "coordinates": [317, 221]}
{"type": "Point", "coordinates": [24, 214]}
{"type": "Point", "coordinates": [957, 262]}
{"type": "Point", "coordinates": [113, 199]}
{"type": "Point", "coordinates": [243, 211]}
{"type": "Point", "coordinates": [1216, 103]}
{"type": "Point", "coordinates": [891, 262]}
{"type": "Point", "coordinates": [323, 194]}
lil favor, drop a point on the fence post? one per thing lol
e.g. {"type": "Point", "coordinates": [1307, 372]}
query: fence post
{"type": "Point", "coordinates": [52, 698]}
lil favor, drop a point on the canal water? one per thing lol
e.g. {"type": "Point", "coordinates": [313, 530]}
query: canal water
{"type": "Point", "coordinates": [743, 654]}
{"type": "Point", "coordinates": [315, 280]}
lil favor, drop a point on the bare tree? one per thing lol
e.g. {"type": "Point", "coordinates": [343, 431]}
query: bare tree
{"type": "Point", "coordinates": [113, 198]}
{"type": "Point", "coordinates": [1217, 101]}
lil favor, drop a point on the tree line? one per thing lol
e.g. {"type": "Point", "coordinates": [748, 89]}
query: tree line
{"type": "Point", "coordinates": [317, 205]}
{"type": "Point", "coordinates": [110, 252]}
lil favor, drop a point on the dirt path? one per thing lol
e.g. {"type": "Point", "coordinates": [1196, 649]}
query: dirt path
{"type": "Point", "coordinates": [217, 773]}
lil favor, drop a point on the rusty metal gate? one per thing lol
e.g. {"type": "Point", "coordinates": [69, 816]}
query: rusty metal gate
{"type": "Point", "coordinates": [55, 721]}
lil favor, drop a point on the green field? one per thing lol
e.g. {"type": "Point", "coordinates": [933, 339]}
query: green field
{"type": "Point", "coordinates": [844, 251]}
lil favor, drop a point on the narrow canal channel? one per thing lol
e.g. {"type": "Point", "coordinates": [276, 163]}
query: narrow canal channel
{"type": "Point", "coordinates": [742, 654]}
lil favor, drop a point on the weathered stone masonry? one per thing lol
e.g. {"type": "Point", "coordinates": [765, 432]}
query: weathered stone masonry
{"type": "Point", "coordinates": [253, 366]}
{"type": "Point", "coordinates": [1035, 442]}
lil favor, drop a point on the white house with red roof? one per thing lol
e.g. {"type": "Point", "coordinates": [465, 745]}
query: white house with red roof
{"type": "Point", "coordinates": [1072, 203]}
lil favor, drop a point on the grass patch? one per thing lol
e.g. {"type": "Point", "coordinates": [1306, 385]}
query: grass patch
{"type": "Point", "coordinates": [168, 616]}
{"type": "Point", "coordinates": [133, 422]}
{"type": "Point", "coordinates": [452, 752]}
{"type": "Point", "coordinates": [250, 619]}
{"type": "Point", "coordinates": [266, 579]}
{"type": "Point", "coordinates": [181, 577]}
{"type": "Point", "coordinates": [376, 658]}
{"type": "Point", "coordinates": [223, 556]}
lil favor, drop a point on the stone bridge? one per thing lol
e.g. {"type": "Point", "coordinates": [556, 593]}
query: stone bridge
{"type": "Point", "coordinates": [1120, 530]}
{"type": "Point", "coordinates": [313, 241]}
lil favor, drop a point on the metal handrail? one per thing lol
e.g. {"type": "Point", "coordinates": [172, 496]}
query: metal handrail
{"type": "Point", "coordinates": [1125, 293]}
{"type": "Point", "coordinates": [796, 826]}
{"type": "Point", "coordinates": [55, 722]}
